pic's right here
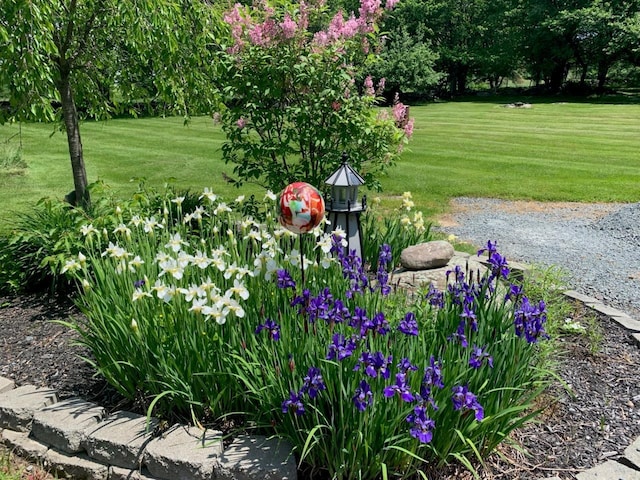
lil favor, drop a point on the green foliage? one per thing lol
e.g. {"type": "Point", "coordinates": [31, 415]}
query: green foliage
{"type": "Point", "coordinates": [11, 160]}
{"type": "Point", "coordinates": [291, 106]}
{"type": "Point", "coordinates": [407, 64]}
{"type": "Point", "coordinates": [207, 312]}
{"type": "Point", "coordinates": [399, 229]}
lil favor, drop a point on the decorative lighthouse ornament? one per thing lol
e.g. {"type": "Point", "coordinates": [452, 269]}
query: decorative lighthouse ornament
{"type": "Point", "coordinates": [344, 208]}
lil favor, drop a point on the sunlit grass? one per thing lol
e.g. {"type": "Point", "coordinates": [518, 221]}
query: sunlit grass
{"type": "Point", "coordinates": [553, 151]}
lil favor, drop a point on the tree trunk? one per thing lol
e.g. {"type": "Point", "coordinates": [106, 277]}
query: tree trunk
{"type": "Point", "coordinates": [72, 127]}
{"type": "Point", "coordinates": [603, 71]}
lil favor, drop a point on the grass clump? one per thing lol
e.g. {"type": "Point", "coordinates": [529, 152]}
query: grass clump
{"type": "Point", "coordinates": [205, 311]}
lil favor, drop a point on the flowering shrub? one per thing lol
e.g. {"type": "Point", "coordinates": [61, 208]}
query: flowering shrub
{"type": "Point", "coordinates": [206, 313]}
{"type": "Point", "coordinates": [293, 103]}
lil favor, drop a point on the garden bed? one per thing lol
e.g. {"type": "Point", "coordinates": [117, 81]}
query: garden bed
{"type": "Point", "coordinates": [577, 430]}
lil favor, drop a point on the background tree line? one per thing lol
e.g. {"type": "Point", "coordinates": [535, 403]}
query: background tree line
{"type": "Point", "coordinates": [443, 47]}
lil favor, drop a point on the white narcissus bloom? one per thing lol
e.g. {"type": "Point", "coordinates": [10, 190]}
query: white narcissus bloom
{"type": "Point", "coordinates": [325, 243]}
{"type": "Point", "coordinates": [239, 199]}
{"type": "Point", "coordinates": [230, 271]}
{"type": "Point", "coordinates": [234, 307]}
{"type": "Point", "coordinates": [253, 235]}
{"type": "Point", "coordinates": [82, 260]}
{"type": "Point", "coordinates": [136, 221]}
{"type": "Point", "coordinates": [270, 196]}
{"type": "Point", "coordinates": [208, 285]}
{"type": "Point", "coordinates": [194, 291]}
{"type": "Point", "coordinates": [178, 200]}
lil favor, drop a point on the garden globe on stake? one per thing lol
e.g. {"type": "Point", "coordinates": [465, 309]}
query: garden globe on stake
{"type": "Point", "coordinates": [343, 207]}
{"type": "Point", "coordinates": [300, 210]}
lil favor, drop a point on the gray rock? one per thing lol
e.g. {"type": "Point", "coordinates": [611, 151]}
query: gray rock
{"type": "Point", "coordinates": [23, 446]}
{"type": "Point", "coordinates": [17, 406]}
{"type": "Point", "coordinates": [184, 453]}
{"type": "Point", "coordinates": [428, 255]}
{"type": "Point", "coordinates": [6, 384]}
{"type": "Point", "coordinates": [63, 425]}
{"type": "Point", "coordinates": [610, 470]}
{"type": "Point", "coordinates": [120, 439]}
{"type": "Point", "coordinates": [257, 458]}
{"type": "Point", "coordinates": [632, 453]}
{"type": "Point", "coordinates": [77, 466]}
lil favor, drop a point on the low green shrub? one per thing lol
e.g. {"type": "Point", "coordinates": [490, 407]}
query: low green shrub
{"type": "Point", "coordinates": [206, 314]}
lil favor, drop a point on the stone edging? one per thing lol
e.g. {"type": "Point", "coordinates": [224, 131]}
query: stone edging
{"type": "Point", "coordinates": [75, 438]}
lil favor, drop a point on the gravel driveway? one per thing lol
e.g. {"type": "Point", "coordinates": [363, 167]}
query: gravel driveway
{"type": "Point", "coordinates": [598, 245]}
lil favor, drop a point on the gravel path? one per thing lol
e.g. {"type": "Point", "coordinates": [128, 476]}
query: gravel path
{"type": "Point", "coordinates": [598, 245]}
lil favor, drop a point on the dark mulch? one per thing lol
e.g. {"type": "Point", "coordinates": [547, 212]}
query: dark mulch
{"type": "Point", "coordinates": [593, 417]}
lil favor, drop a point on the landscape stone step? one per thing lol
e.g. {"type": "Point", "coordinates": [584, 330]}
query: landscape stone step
{"type": "Point", "coordinates": [632, 453]}
{"type": "Point", "coordinates": [17, 406]}
{"type": "Point", "coordinates": [74, 439]}
{"type": "Point", "coordinates": [120, 439]}
{"type": "Point", "coordinates": [64, 425]}
{"type": "Point", "coordinates": [184, 453]}
{"type": "Point", "coordinates": [610, 470]}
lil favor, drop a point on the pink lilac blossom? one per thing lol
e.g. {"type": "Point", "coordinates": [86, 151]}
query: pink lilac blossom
{"type": "Point", "coordinates": [368, 86]}
{"type": "Point", "coordinates": [288, 27]}
{"type": "Point", "coordinates": [389, 4]}
{"type": "Point", "coordinates": [408, 128]}
{"type": "Point", "coordinates": [381, 84]}
{"type": "Point", "coordinates": [399, 113]}
{"type": "Point", "coordinates": [241, 123]}
{"type": "Point", "coordinates": [263, 33]}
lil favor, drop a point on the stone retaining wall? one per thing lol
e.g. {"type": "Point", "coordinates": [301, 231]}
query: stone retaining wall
{"type": "Point", "coordinates": [75, 438]}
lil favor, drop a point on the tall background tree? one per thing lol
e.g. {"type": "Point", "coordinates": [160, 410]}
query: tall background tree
{"type": "Point", "coordinates": [69, 59]}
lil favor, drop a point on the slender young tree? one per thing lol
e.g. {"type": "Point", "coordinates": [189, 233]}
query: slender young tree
{"type": "Point", "coordinates": [66, 59]}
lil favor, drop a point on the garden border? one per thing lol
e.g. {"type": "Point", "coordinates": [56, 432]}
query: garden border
{"type": "Point", "coordinates": [75, 438]}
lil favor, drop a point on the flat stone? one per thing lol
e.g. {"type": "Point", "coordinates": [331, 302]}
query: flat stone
{"type": "Point", "coordinates": [632, 453]}
{"type": "Point", "coordinates": [120, 439]}
{"type": "Point", "coordinates": [413, 280]}
{"type": "Point", "coordinates": [63, 425]}
{"type": "Point", "coordinates": [77, 466]}
{"type": "Point", "coordinates": [587, 300]}
{"type": "Point", "coordinates": [24, 446]}
{"type": "Point", "coordinates": [609, 470]}
{"type": "Point", "coordinates": [257, 458]}
{"type": "Point", "coordinates": [6, 384]}
{"type": "Point", "coordinates": [627, 322]}
{"type": "Point", "coordinates": [428, 255]}
{"type": "Point", "coordinates": [17, 406]}
{"type": "Point", "coordinates": [117, 473]}
{"type": "Point", "coordinates": [184, 453]}
{"type": "Point", "coordinates": [636, 337]}
{"type": "Point", "coordinates": [607, 310]}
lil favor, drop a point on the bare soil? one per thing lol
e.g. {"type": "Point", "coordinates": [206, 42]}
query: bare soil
{"type": "Point", "coordinates": [591, 413]}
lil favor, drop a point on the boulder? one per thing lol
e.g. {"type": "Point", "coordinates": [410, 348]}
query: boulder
{"type": "Point", "coordinates": [428, 255]}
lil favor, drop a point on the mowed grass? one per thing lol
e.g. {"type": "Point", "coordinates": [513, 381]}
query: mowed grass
{"type": "Point", "coordinates": [553, 151]}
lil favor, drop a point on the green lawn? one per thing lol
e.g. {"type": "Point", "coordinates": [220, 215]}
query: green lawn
{"type": "Point", "coordinates": [551, 151]}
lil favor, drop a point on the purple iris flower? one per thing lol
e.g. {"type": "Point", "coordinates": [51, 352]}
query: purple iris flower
{"type": "Point", "coordinates": [498, 264]}
{"type": "Point", "coordinates": [530, 319]}
{"type": "Point", "coordinates": [340, 347]}
{"type": "Point", "coordinates": [470, 317]}
{"type": "Point", "coordinates": [423, 426]}
{"type": "Point", "coordinates": [478, 355]}
{"type": "Point", "coordinates": [432, 378]}
{"type": "Point", "coordinates": [405, 366]}
{"type": "Point", "coordinates": [338, 313]}
{"type": "Point", "coordinates": [363, 396]}
{"type": "Point", "coordinates": [293, 404]}
{"type": "Point", "coordinates": [374, 364]}
{"type": "Point", "coordinates": [409, 326]}
{"type": "Point", "coordinates": [459, 335]}
{"type": "Point", "coordinates": [272, 327]}
{"type": "Point", "coordinates": [435, 297]}
{"type": "Point", "coordinates": [400, 387]}
{"type": "Point", "coordinates": [284, 279]}
{"type": "Point", "coordinates": [463, 399]}
{"type": "Point", "coordinates": [313, 383]}
{"type": "Point", "coordinates": [138, 283]}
